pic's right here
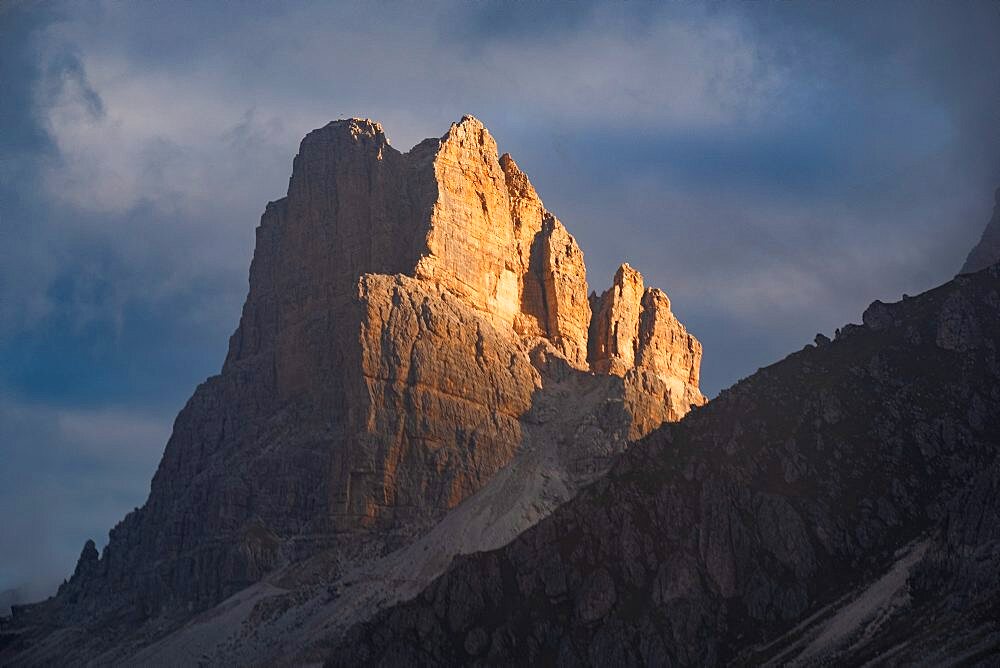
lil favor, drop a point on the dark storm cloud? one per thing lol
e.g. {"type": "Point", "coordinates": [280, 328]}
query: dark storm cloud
{"type": "Point", "coordinates": [773, 166]}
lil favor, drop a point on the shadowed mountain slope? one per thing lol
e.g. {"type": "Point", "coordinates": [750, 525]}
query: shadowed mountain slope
{"type": "Point", "coordinates": [840, 505]}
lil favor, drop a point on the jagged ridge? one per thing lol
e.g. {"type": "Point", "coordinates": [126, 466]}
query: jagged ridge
{"type": "Point", "coordinates": [838, 506]}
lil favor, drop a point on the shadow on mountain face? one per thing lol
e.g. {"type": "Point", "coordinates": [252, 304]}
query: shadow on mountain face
{"type": "Point", "coordinates": [839, 505]}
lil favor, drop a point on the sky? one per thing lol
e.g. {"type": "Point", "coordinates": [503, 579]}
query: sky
{"type": "Point", "coordinates": [774, 167]}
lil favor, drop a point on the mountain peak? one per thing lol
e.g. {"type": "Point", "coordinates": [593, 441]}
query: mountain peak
{"type": "Point", "coordinates": [470, 121]}
{"type": "Point", "coordinates": [416, 323]}
{"type": "Point", "coordinates": [356, 126]}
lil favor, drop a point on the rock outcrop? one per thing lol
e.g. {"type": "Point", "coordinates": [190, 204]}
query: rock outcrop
{"type": "Point", "coordinates": [838, 507]}
{"type": "Point", "coordinates": [614, 339]}
{"type": "Point", "coordinates": [987, 251]}
{"type": "Point", "coordinates": [381, 374]}
{"type": "Point", "coordinates": [633, 334]}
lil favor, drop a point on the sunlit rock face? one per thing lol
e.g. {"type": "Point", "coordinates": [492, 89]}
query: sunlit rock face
{"type": "Point", "coordinates": [428, 377]}
{"type": "Point", "coordinates": [381, 372]}
{"type": "Point", "coordinates": [491, 242]}
{"type": "Point", "coordinates": [634, 334]}
{"type": "Point", "coordinates": [839, 507]}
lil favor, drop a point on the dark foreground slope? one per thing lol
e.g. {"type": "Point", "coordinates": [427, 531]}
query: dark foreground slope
{"type": "Point", "coordinates": [839, 505]}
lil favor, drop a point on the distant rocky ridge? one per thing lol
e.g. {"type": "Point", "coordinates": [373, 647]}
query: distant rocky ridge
{"type": "Point", "coordinates": [987, 251]}
{"type": "Point", "coordinates": [410, 322]}
{"type": "Point", "coordinates": [9, 598]}
{"type": "Point", "coordinates": [839, 507]}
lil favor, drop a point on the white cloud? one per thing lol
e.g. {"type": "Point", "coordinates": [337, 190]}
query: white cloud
{"type": "Point", "coordinates": [166, 164]}
{"type": "Point", "coordinates": [677, 73]}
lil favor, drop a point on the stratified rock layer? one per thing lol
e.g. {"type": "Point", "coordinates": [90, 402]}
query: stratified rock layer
{"type": "Point", "coordinates": [380, 375]}
{"type": "Point", "coordinates": [614, 338]}
{"type": "Point", "coordinates": [634, 334]}
{"type": "Point", "coordinates": [836, 508]}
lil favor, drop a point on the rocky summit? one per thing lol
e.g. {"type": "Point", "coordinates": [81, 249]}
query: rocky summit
{"type": "Point", "coordinates": [418, 372]}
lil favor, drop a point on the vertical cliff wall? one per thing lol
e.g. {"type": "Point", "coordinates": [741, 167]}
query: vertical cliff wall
{"type": "Point", "coordinates": [381, 371]}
